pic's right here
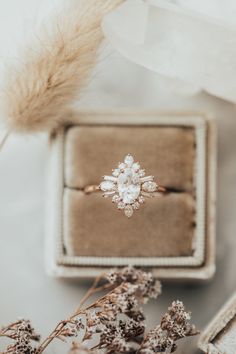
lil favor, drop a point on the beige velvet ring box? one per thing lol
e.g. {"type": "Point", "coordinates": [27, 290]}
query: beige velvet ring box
{"type": "Point", "coordinates": [172, 234]}
{"type": "Point", "coordinates": [219, 337]}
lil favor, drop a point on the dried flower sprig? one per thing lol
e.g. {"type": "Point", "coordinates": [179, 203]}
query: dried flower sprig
{"type": "Point", "coordinates": [174, 326]}
{"type": "Point", "coordinates": [115, 321]}
{"type": "Point", "coordinates": [22, 334]}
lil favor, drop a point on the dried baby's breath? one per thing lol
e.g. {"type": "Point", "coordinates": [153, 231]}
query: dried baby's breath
{"type": "Point", "coordinates": [174, 326]}
{"type": "Point", "coordinates": [23, 334]}
{"type": "Point", "coordinates": [147, 286]}
{"type": "Point", "coordinates": [114, 323]}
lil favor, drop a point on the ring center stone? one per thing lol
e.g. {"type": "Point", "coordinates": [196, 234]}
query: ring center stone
{"type": "Point", "coordinates": [129, 186]}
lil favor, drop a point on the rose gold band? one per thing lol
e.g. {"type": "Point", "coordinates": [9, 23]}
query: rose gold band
{"type": "Point", "coordinates": [161, 189]}
{"type": "Point", "coordinates": [95, 188]}
{"type": "Point", "coordinates": [91, 189]}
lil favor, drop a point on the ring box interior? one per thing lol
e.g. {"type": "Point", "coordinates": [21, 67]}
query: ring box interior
{"type": "Point", "coordinates": [173, 233]}
{"type": "Point", "coordinates": [220, 335]}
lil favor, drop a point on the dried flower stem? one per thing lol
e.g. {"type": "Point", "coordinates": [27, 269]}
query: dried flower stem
{"type": "Point", "coordinates": [116, 319]}
{"type": "Point", "coordinates": [94, 289]}
{"type": "Point", "coordinates": [58, 329]}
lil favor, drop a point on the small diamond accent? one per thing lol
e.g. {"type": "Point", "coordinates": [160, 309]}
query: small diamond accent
{"type": "Point", "coordinates": [141, 199]}
{"type": "Point", "coordinates": [121, 205]}
{"type": "Point", "coordinates": [122, 166]}
{"type": "Point", "coordinates": [136, 166]}
{"type": "Point", "coordinates": [136, 205]}
{"type": "Point", "coordinates": [128, 211]}
{"type": "Point", "coordinates": [142, 173]}
{"type": "Point", "coordinates": [116, 172]}
{"type": "Point", "coordinates": [149, 186]}
{"type": "Point", "coordinates": [115, 198]}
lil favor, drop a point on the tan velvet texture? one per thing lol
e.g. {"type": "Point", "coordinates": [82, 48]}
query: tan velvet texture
{"type": "Point", "coordinates": [107, 232]}
{"type": "Point", "coordinates": [165, 152]}
{"type": "Point", "coordinates": [163, 226]}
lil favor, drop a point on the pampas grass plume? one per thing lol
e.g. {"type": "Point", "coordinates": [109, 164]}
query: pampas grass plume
{"type": "Point", "coordinates": [37, 95]}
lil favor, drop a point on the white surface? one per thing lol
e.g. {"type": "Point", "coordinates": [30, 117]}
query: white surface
{"type": "Point", "coordinates": [25, 288]}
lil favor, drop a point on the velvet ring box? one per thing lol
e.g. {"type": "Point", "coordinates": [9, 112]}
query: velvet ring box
{"type": "Point", "coordinates": [220, 335]}
{"type": "Point", "coordinates": [172, 234]}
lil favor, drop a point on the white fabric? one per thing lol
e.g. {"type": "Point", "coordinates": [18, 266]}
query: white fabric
{"type": "Point", "coordinates": [192, 44]}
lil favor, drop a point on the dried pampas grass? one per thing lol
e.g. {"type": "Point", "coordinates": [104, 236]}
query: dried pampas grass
{"type": "Point", "coordinates": [38, 94]}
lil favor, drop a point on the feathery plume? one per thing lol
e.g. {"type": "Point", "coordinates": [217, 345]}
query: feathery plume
{"type": "Point", "coordinates": [37, 95]}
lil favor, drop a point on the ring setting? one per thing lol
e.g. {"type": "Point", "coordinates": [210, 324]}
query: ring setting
{"type": "Point", "coordinates": [128, 186]}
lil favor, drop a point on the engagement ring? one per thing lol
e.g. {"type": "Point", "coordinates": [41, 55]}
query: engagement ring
{"type": "Point", "coordinates": [128, 186]}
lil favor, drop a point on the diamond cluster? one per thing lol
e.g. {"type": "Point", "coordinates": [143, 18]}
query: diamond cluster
{"type": "Point", "coordinates": [128, 186]}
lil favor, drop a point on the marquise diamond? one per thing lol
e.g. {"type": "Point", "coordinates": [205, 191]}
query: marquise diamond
{"type": "Point", "coordinates": [107, 186]}
{"type": "Point", "coordinates": [128, 211]}
{"type": "Point", "coordinates": [149, 186]}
